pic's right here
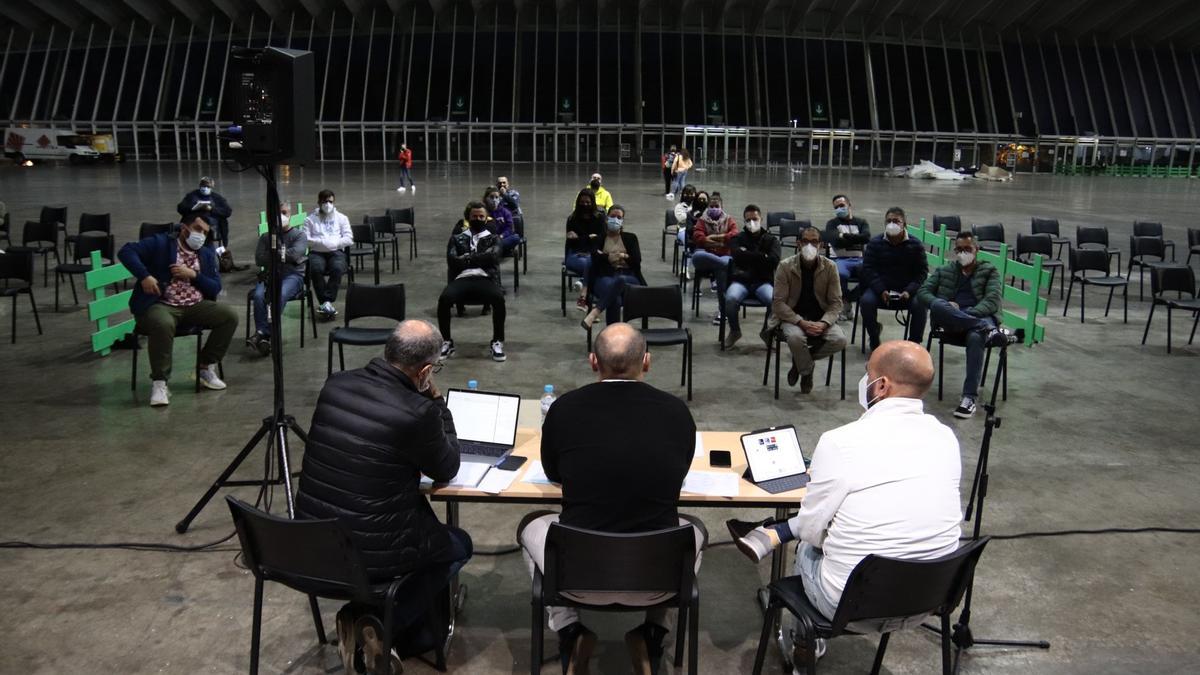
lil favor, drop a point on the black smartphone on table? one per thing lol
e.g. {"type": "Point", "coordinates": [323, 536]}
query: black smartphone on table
{"type": "Point", "coordinates": [720, 458]}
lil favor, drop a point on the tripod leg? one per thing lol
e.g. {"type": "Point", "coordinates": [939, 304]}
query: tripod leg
{"type": "Point", "coordinates": [182, 526]}
{"type": "Point", "coordinates": [285, 468]}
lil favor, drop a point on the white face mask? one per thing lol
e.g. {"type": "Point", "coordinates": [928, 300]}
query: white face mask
{"type": "Point", "coordinates": [965, 257]}
{"type": "Point", "coordinates": [327, 208]}
{"type": "Point", "coordinates": [195, 240]}
{"type": "Point", "coordinates": [863, 387]}
{"type": "Point", "coordinates": [808, 252]}
{"type": "Point", "coordinates": [893, 228]}
{"type": "Point", "coordinates": [206, 191]}
{"type": "Point", "coordinates": [754, 226]}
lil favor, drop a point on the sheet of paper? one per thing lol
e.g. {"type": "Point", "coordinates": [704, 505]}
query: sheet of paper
{"type": "Point", "coordinates": [469, 475]}
{"type": "Point", "coordinates": [497, 481]}
{"type": "Point", "coordinates": [715, 483]}
{"type": "Point", "coordinates": [699, 445]}
{"type": "Point", "coordinates": [536, 474]}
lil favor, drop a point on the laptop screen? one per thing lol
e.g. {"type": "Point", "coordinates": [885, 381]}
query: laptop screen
{"type": "Point", "coordinates": [484, 417]}
{"type": "Point", "coordinates": [773, 453]}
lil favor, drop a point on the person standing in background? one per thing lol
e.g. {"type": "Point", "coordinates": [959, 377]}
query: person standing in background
{"type": "Point", "coordinates": [405, 157]}
{"type": "Point", "coordinates": [679, 172]}
{"type": "Point", "coordinates": [668, 163]}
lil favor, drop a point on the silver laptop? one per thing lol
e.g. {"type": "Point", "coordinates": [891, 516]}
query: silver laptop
{"type": "Point", "coordinates": [486, 423]}
{"type": "Point", "coordinates": [774, 459]}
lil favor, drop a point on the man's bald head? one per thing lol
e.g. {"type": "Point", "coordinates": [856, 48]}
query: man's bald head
{"type": "Point", "coordinates": [907, 367]}
{"type": "Point", "coordinates": [619, 353]}
{"type": "Point", "coordinates": [413, 345]}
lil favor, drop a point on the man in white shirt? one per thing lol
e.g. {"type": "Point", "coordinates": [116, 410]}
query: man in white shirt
{"type": "Point", "coordinates": [328, 233]}
{"type": "Point", "coordinates": [886, 484]}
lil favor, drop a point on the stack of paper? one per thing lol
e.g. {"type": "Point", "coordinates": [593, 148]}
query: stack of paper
{"type": "Point", "coordinates": [536, 474]}
{"type": "Point", "coordinates": [469, 475]}
{"type": "Point", "coordinates": [715, 483]}
{"type": "Point", "coordinates": [699, 445]}
{"type": "Point", "coordinates": [497, 481]}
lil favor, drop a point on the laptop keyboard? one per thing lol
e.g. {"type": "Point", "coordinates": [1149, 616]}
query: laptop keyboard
{"type": "Point", "coordinates": [481, 449]}
{"type": "Point", "coordinates": [777, 485]}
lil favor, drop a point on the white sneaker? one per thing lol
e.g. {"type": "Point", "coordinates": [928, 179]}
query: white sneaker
{"type": "Point", "coordinates": [400, 190]}
{"type": "Point", "coordinates": [670, 197]}
{"type": "Point", "coordinates": [577, 285]}
{"type": "Point", "coordinates": [159, 394]}
{"type": "Point", "coordinates": [447, 349]}
{"type": "Point", "coordinates": [209, 379]}
{"type": "Point", "coordinates": [498, 351]}
{"type": "Point", "coordinates": [328, 308]}
{"type": "Point", "coordinates": [414, 189]}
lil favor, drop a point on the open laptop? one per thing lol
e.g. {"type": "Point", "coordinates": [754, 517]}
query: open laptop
{"type": "Point", "coordinates": [486, 423]}
{"type": "Point", "coordinates": [775, 462]}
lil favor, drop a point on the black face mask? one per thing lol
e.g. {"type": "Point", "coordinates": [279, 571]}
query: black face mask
{"type": "Point", "coordinates": [701, 204]}
{"type": "Point", "coordinates": [595, 184]}
{"type": "Point", "coordinates": [478, 226]}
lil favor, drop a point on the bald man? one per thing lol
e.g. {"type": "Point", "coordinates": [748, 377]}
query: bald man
{"type": "Point", "coordinates": [620, 448]}
{"type": "Point", "coordinates": [885, 484]}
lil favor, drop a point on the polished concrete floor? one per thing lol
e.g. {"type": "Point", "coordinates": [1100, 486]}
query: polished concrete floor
{"type": "Point", "coordinates": [1098, 431]}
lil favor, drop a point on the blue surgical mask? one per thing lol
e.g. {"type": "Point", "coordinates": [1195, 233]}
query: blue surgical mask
{"type": "Point", "coordinates": [195, 240]}
{"type": "Point", "coordinates": [614, 224]}
{"type": "Point", "coordinates": [206, 191]}
{"type": "Point", "coordinates": [842, 212]}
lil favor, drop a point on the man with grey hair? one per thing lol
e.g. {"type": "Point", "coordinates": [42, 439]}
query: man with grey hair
{"type": "Point", "coordinates": [374, 432]}
{"type": "Point", "coordinates": [620, 449]}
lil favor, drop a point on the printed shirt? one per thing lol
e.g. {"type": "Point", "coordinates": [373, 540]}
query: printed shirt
{"type": "Point", "coordinates": [181, 292]}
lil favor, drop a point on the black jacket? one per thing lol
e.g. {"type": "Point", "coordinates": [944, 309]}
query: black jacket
{"type": "Point", "coordinates": [584, 243]}
{"type": "Point", "coordinates": [372, 436]}
{"type": "Point", "coordinates": [754, 259]}
{"type": "Point", "coordinates": [601, 267]}
{"type": "Point", "coordinates": [220, 208]}
{"type": "Point", "coordinates": [486, 255]}
{"type": "Point", "coordinates": [894, 268]}
{"type": "Point", "coordinates": [845, 241]}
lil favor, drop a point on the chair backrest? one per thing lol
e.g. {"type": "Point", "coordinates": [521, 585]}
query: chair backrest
{"type": "Point", "coordinates": [93, 241]}
{"type": "Point", "coordinates": [1091, 235]}
{"type": "Point", "coordinates": [669, 218]}
{"type": "Point", "coordinates": [1045, 226]}
{"type": "Point", "coordinates": [774, 218]}
{"type": "Point", "coordinates": [993, 232]}
{"type": "Point", "coordinates": [406, 216]}
{"type": "Point", "coordinates": [1149, 245]}
{"type": "Point", "coordinates": [1178, 279]}
{"type": "Point", "coordinates": [1084, 259]}
{"type": "Point", "coordinates": [363, 234]}
{"type": "Point", "coordinates": [579, 560]}
{"type": "Point", "coordinates": [39, 232]}
{"type": "Point", "coordinates": [311, 556]}
{"type": "Point", "coordinates": [519, 225]}
{"type": "Point", "coordinates": [53, 214]}
{"type": "Point", "coordinates": [17, 265]}
{"type": "Point", "coordinates": [151, 229]}
{"type": "Point", "coordinates": [1035, 243]}
{"type": "Point", "coordinates": [379, 223]}
{"type": "Point", "coordinates": [385, 301]}
{"type": "Point", "coordinates": [1147, 229]}
{"type": "Point", "coordinates": [888, 588]}
{"type": "Point", "coordinates": [95, 222]}
{"type": "Point", "coordinates": [791, 229]}
{"type": "Point", "coordinates": [653, 302]}
{"type": "Point", "coordinates": [952, 223]}
{"type": "Point", "coordinates": [1193, 237]}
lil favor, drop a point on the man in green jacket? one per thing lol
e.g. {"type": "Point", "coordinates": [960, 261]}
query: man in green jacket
{"type": "Point", "coordinates": [963, 297]}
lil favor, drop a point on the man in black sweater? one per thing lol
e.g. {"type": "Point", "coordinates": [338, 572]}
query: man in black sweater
{"type": "Point", "coordinates": [893, 268]}
{"type": "Point", "coordinates": [622, 475]}
{"type": "Point", "coordinates": [846, 235]}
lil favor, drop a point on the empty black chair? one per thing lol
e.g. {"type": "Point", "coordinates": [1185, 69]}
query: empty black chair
{"type": "Point", "coordinates": [318, 558]}
{"type": "Point", "coordinates": [5, 223]}
{"type": "Point", "coordinates": [583, 561]}
{"type": "Point", "coordinates": [40, 239]}
{"type": "Point", "coordinates": [1096, 238]}
{"type": "Point", "coordinates": [17, 266]}
{"type": "Point", "coordinates": [953, 224]}
{"type": "Point", "coordinates": [54, 215]}
{"type": "Point", "coordinates": [518, 253]}
{"type": "Point", "coordinates": [404, 223]}
{"type": "Point", "coordinates": [1181, 280]}
{"type": "Point", "coordinates": [661, 302]}
{"type": "Point", "coordinates": [1147, 229]}
{"type": "Point", "coordinates": [1050, 226]}
{"type": "Point", "coordinates": [366, 301]}
{"type": "Point", "coordinates": [84, 245]}
{"type": "Point", "coordinates": [88, 222]}
{"type": "Point", "coordinates": [1193, 243]}
{"type": "Point", "coordinates": [670, 230]}
{"type": "Point", "coordinates": [774, 218]}
{"type": "Point", "coordinates": [1084, 260]}
{"type": "Point", "coordinates": [1029, 245]}
{"type": "Point", "coordinates": [878, 588]}
{"type": "Point", "coordinates": [789, 233]}
{"type": "Point", "coordinates": [1141, 249]}
{"type": "Point", "coordinates": [989, 237]}
{"type": "Point", "coordinates": [383, 231]}
{"type": "Point", "coordinates": [775, 346]}
{"type": "Point", "coordinates": [364, 245]}
{"type": "Point", "coordinates": [151, 229]}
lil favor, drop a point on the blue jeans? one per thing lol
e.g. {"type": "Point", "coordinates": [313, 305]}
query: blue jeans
{"type": "Point", "coordinates": [509, 242]}
{"type": "Point", "coordinates": [716, 266]}
{"type": "Point", "coordinates": [321, 264]}
{"type": "Point", "coordinates": [736, 294]}
{"type": "Point", "coordinates": [953, 320]}
{"type": "Point", "coordinates": [681, 235]}
{"type": "Point", "coordinates": [847, 267]}
{"type": "Point", "coordinates": [405, 177]}
{"type": "Point", "coordinates": [290, 287]}
{"type": "Point", "coordinates": [678, 182]}
{"type": "Point", "coordinates": [579, 263]}
{"type": "Point", "coordinates": [868, 305]}
{"type": "Point", "coordinates": [608, 290]}
{"type": "Point", "coordinates": [808, 567]}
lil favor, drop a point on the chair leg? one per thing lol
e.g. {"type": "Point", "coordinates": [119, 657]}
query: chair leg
{"type": "Point", "coordinates": [941, 366]}
{"type": "Point", "coordinates": [843, 374]}
{"type": "Point", "coordinates": [1168, 329]}
{"type": "Point", "coordinates": [883, 643]}
{"type": "Point", "coordinates": [57, 277]}
{"type": "Point", "coordinates": [1149, 318]}
{"type": "Point", "coordinates": [317, 623]}
{"type": "Point", "coordinates": [778, 340]}
{"type": "Point", "coordinates": [563, 289]}
{"type": "Point", "coordinates": [689, 367]}
{"type": "Point", "coordinates": [681, 624]}
{"type": "Point", "coordinates": [329, 357]}
{"type": "Point", "coordinates": [1125, 298]}
{"type": "Point", "coordinates": [946, 644]}
{"type": "Point", "coordinates": [256, 626]}
{"type": "Point", "coordinates": [769, 618]}
{"type": "Point", "coordinates": [341, 357]}
{"type": "Point", "coordinates": [1195, 321]}
{"type": "Point", "coordinates": [767, 364]}
{"type": "Point", "coordinates": [535, 641]}
{"type": "Point", "coordinates": [1067, 302]}
{"type": "Point", "coordinates": [14, 321]}
{"type": "Point", "coordinates": [1108, 304]}
{"type": "Point", "coordinates": [694, 638]}
{"type": "Point", "coordinates": [1082, 300]}
{"type": "Point", "coordinates": [987, 360]}
{"type": "Point", "coordinates": [74, 295]}
{"type": "Point", "coordinates": [829, 371]}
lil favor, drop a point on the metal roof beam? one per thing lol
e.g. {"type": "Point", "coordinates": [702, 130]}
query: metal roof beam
{"type": "Point", "coordinates": [106, 11]}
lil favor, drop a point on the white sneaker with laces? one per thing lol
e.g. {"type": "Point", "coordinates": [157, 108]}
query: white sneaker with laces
{"type": "Point", "coordinates": [159, 394]}
{"type": "Point", "coordinates": [447, 349]}
{"type": "Point", "coordinates": [400, 190]}
{"type": "Point", "coordinates": [209, 379]}
{"type": "Point", "coordinates": [670, 197]}
{"type": "Point", "coordinates": [414, 189]}
{"type": "Point", "coordinates": [965, 409]}
{"type": "Point", "coordinates": [328, 308]}
{"type": "Point", "coordinates": [498, 351]}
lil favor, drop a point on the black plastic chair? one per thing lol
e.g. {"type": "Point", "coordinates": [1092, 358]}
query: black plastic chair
{"type": "Point", "coordinates": [18, 266]}
{"type": "Point", "coordinates": [133, 342]}
{"type": "Point", "coordinates": [40, 239]}
{"type": "Point", "coordinates": [5, 223]}
{"type": "Point", "coordinates": [88, 222]}
{"type": "Point", "coordinates": [1029, 245]}
{"type": "Point", "coordinates": [583, 561]}
{"type": "Point", "coordinates": [878, 588]}
{"type": "Point", "coordinates": [364, 245]}
{"type": "Point", "coordinates": [85, 243]}
{"type": "Point", "coordinates": [960, 340]}
{"type": "Point", "coordinates": [953, 224]}
{"type": "Point", "coordinates": [304, 297]}
{"type": "Point", "coordinates": [54, 215]}
{"type": "Point", "coordinates": [519, 253]}
{"type": "Point", "coordinates": [151, 229]}
{"type": "Point", "coordinates": [661, 302]}
{"type": "Point", "coordinates": [1147, 229]}
{"type": "Point", "coordinates": [1182, 280]}
{"type": "Point", "coordinates": [776, 347]}
{"type": "Point", "coordinates": [669, 231]}
{"type": "Point", "coordinates": [989, 237]}
{"type": "Point", "coordinates": [1095, 260]}
{"type": "Point", "coordinates": [774, 218]}
{"type": "Point", "coordinates": [404, 223]}
{"type": "Point", "coordinates": [366, 301]}
{"type": "Point", "coordinates": [1050, 227]}
{"type": "Point", "coordinates": [1140, 249]}
{"type": "Point", "coordinates": [789, 233]}
{"type": "Point", "coordinates": [1096, 238]}
{"type": "Point", "coordinates": [1193, 243]}
{"type": "Point", "coordinates": [564, 280]}
{"type": "Point", "coordinates": [318, 558]}
{"type": "Point", "coordinates": [382, 230]}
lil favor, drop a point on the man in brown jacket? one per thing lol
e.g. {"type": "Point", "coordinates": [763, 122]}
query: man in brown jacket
{"type": "Point", "coordinates": [806, 304]}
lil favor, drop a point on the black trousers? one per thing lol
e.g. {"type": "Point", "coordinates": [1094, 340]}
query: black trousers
{"type": "Point", "coordinates": [473, 291]}
{"type": "Point", "coordinates": [321, 264]}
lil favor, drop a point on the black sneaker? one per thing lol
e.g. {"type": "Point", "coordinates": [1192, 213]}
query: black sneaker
{"type": "Point", "coordinates": [498, 351]}
{"type": "Point", "coordinates": [575, 645]}
{"type": "Point", "coordinates": [998, 337]}
{"type": "Point", "coordinates": [792, 376]}
{"type": "Point", "coordinates": [806, 384]}
{"type": "Point", "coordinates": [966, 408]}
{"type": "Point", "coordinates": [260, 343]}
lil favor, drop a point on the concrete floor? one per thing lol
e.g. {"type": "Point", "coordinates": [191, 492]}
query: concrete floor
{"type": "Point", "coordinates": [1096, 434]}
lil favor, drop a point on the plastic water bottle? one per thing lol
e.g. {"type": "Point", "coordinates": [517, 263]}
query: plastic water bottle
{"type": "Point", "coordinates": [547, 400]}
{"type": "Point", "coordinates": [473, 385]}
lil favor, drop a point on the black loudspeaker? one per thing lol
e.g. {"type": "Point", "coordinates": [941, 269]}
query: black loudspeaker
{"type": "Point", "coordinates": [273, 101]}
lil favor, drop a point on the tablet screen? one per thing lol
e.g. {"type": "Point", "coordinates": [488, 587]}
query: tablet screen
{"type": "Point", "coordinates": [773, 453]}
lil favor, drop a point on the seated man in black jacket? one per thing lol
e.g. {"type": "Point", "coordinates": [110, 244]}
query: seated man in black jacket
{"type": "Point", "coordinates": [893, 268]}
{"type": "Point", "coordinates": [846, 235]}
{"type": "Point", "coordinates": [374, 432]}
{"type": "Point", "coordinates": [214, 207]}
{"type": "Point", "coordinates": [755, 257]}
{"type": "Point", "coordinates": [473, 259]}
{"type": "Point", "coordinates": [623, 475]}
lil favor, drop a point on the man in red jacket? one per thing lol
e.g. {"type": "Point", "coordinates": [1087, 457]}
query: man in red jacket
{"type": "Point", "coordinates": [405, 157]}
